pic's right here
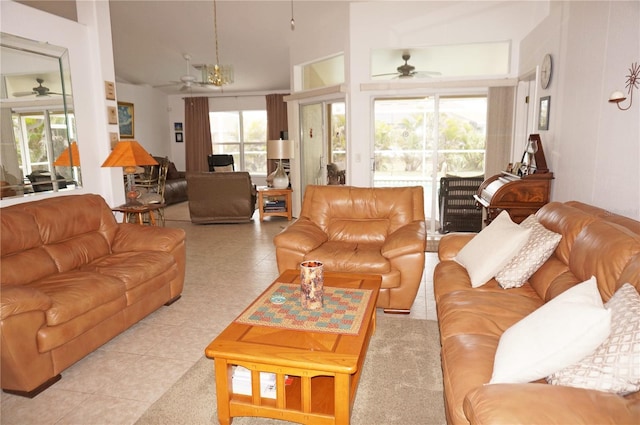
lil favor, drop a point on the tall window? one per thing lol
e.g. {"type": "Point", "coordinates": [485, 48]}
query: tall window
{"type": "Point", "coordinates": [242, 134]}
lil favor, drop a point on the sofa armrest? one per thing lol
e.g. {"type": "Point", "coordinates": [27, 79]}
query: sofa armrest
{"type": "Point", "coordinates": [17, 299]}
{"type": "Point", "coordinates": [302, 236]}
{"type": "Point", "coordinates": [547, 404]}
{"type": "Point", "coordinates": [134, 237]}
{"type": "Point", "coordinates": [408, 239]}
{"type": "Point", "coordinates": [451, 244]}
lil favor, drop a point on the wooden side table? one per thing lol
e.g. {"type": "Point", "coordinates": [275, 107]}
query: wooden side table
{"type": "Point", "coordinates": [267, 194]}
{"type": "Point", "coordinates": [137, 212]}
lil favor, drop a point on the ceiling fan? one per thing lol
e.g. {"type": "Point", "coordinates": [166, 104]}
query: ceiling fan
{"type": "Point", "coordinates": [187, 81]}
{"type": "Point", "coordinates": [408, 71]}
{"type": "Point", "coordinates": [39, 90]}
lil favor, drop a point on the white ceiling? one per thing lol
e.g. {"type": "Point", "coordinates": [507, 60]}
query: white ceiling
{"type": "Point", "coordinates": [150, 39]}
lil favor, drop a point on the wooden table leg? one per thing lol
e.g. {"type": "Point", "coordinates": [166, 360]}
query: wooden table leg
{"type": "Point", "coordinates": [222, 390]}
{"type": "Point", "coordinates": [342, 402]}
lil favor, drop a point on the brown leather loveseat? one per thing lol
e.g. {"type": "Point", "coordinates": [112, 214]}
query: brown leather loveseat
{"type": "Point", "coordinates": [72, 279]}
{"type": "Point", "coordinates": [361, 230]}
{"type": "Point", "coordinates": [472, 320]}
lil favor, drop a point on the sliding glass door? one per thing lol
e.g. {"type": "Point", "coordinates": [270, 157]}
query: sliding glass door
{"type": "Point", "coordinates": [419, 140]}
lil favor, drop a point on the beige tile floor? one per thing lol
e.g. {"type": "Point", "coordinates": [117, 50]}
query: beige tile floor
{"type": "Point", "coordinates": [227, 267]}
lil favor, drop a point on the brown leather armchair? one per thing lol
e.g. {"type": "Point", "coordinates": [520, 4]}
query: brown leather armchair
{"type": "Point", "coordinates": [221, 197]}
{"type": "Point", "coordinates": [362, 230]}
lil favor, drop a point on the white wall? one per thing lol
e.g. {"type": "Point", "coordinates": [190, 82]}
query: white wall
{"type": "Point", "coordinates": [592, 147]}
{"type": "Point", "coordinates": [91, 63]}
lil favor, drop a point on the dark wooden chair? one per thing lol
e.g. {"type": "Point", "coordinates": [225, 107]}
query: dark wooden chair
{"type": "Point", "coordinates": [458, 209]}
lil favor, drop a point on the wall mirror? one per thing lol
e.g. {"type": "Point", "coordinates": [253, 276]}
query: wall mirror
{"type": "Point", "coordinates": [38, 149]}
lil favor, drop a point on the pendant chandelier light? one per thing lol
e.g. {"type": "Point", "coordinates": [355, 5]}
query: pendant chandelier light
{"type": "Point", "coordinates": [217, 75]}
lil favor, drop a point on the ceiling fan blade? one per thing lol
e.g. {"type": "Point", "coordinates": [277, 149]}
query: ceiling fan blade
{"type": "Point", "coordinates": [385, 75]}
{"type": "Point", "coordinates": [23, 93]}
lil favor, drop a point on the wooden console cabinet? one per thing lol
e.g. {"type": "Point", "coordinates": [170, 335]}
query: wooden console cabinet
{"type": "Point", "coordinates": [520, 196]}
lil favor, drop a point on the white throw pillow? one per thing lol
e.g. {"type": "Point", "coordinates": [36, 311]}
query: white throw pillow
{"type": "Point", "coordinates": [556, 335]}
{"type": "Point", "coordinates": [615, 365]}
{"type": "Point", "coordinates": [491, 249]}
{"type": "Point", "coordinates": [539, 247]}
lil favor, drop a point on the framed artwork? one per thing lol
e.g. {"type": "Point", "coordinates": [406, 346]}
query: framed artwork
{"type": "Point", "coordinates": [126, 120]}
{"type": "Point", "coordinates": [110, 90]}
{"type": "Point", "coordinates": [177, 126]}
{"type": "Point", "coordinates": [112, 115]}
{"type": "Point", "coordinates": [113, 138]}
{"type": "Point", "coordinates": [543, 117]}
{"type": "Point", "coordinates": [179, 138]}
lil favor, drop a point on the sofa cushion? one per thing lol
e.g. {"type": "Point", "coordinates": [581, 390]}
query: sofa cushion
{"type": "Point", "coordinates": [556, 335]}
{"type": "Point", "coordinates": [491, 249]}
{"type": "Point", "coordinates": [615, 365]}
{"type": "Point", "coordinates": [132, 268]}
{"type": "Point", "coordinates": [77, 292]}
{"type": "Point", "coordinates": [532, 255]}
{"type": "Point", "coordinates": [350, 257]}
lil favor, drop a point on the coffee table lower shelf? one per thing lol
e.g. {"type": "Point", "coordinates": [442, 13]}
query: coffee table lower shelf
{"type": "Point", "coordinates": [307, 400]}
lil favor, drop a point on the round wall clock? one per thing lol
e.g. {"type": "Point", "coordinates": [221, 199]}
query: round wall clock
{"type": "Point", "coordinates": [545, 71]}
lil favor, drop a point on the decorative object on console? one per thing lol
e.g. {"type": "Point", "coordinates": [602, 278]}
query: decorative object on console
{"type": "Point", "coordinates": [279, 149]}
{"type": "Point", "coordinates": [311, 284]}
{"type": "Point", "coordinates": [618, 97]}
{"type": "Point", "coordinates": [129, 155]}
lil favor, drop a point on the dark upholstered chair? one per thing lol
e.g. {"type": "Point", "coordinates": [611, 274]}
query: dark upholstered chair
{"type": "Point", "coordinates": [220, 162]}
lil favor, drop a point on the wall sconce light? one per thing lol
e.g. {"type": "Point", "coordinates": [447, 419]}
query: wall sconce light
{"type": "Point", "coordinates": [618, 97]}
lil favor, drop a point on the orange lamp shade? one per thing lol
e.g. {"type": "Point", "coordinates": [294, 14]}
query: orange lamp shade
{"type": "Point", "coordinates": [67, 160]}
{"type": "Point", "coordinates": [128, 154]}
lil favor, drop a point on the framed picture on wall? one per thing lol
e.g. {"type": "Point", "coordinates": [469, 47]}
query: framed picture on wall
{"type": "Point", "coordinates": [179, 138]}
{"type": "Point", "coordinates": [126, 120]}
{"type": "Point", "coordinates": [543, 117]}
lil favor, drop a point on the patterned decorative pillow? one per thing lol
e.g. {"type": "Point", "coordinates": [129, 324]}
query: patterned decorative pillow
{"type": "Point", "coordinates": [615, 365]}
{"type": "Point", "coordinates": [539, 247]}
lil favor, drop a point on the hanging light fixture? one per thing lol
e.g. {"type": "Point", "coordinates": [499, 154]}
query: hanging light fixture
{"type": "Point", "coordinates": [217, 75]}
{"type": "Point", "coordinates": [293, 21]}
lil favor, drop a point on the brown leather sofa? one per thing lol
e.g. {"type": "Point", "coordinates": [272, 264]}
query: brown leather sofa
{"type": "Point", "coordinates": [471, 320]}
{"type": "Point", "coordinates": [72, 278]}
{"type": "Point", "coordinates": [361, 230]}
{"type": "Point", "coordinates": [221, 197]}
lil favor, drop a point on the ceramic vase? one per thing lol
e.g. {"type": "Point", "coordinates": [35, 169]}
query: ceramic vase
{"type": "Point", "coordinates": [311, 285]}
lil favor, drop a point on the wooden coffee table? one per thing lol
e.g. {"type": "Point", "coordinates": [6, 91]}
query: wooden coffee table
{"type": "Point", "coordinates": [317, 372]}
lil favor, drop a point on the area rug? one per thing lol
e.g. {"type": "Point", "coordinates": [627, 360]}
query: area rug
{"type": "Point", "coordinates": [401, 383]}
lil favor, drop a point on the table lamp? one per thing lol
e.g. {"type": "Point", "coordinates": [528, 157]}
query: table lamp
{"type": "Point", "coordinates": [279, 149]}
{"type": "Point", "coordinates": [129, 155]}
